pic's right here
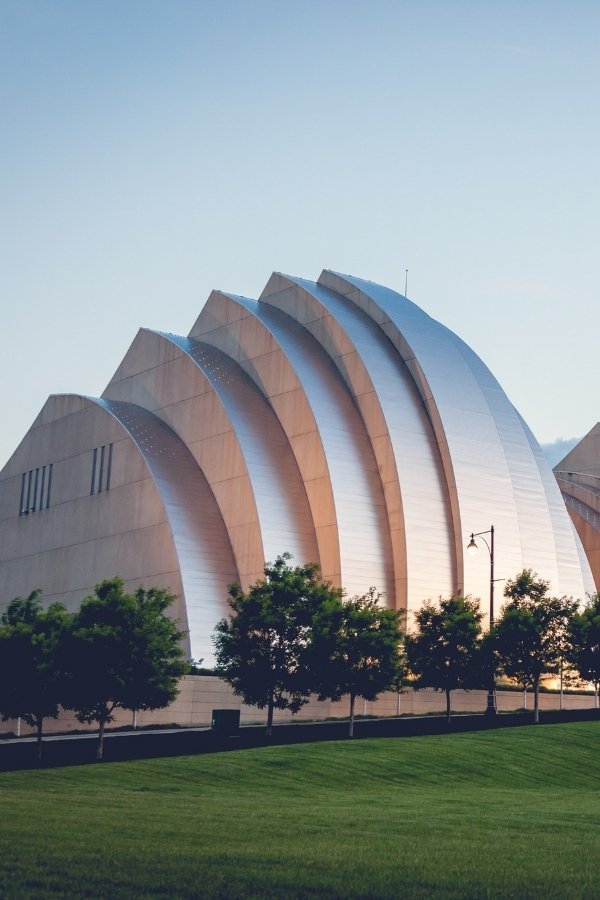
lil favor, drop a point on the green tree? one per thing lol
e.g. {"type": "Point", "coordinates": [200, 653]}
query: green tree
{"type": "Point", "coordinates": [355, 650]}
{"type": "Point", "coordinates": [31, 679]}
{"type": "Point", "coordinates": [531, 634]}
{"type": "Point", "coordinates": [583, 648]}
{"type": "Point", "coordinates": [261, 648]}
{"type": "Point", "coordinates": [444, 651]}
{"type": "Point", "coordinates": [122, 651]}
{"type": "Point", "coordinates": [400, 677]}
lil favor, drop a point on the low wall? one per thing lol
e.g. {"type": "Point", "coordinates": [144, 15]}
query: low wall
{"type": "Point", "coordinates": [200, 694]}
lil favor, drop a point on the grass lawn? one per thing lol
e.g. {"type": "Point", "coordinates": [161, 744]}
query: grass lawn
{"type": "Point", "coordinates": [507, 813]}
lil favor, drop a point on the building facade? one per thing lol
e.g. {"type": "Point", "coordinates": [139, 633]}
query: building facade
{"type": "Point", "coordinates": [578, 476]}
{"type": "Point", "coordinates": [332, 419]}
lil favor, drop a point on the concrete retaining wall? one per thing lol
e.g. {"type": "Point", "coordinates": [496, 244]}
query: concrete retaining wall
{"type": "Point", "coordinates": [200, 694]}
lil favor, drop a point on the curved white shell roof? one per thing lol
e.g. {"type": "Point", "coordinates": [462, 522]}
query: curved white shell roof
{"type": "Point", "coordinates": [332, 419]}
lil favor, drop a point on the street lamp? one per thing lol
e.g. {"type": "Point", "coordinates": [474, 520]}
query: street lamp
{"type": "Point", "coordinates": [473, 548]}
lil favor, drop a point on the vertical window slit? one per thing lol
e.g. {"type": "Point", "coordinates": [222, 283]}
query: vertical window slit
{"type": "Point", "coordinates": [93, 484]}
{"type": "Point", "coordinates": [109, 466]}
{"type": "Point", "coordinates": [42, 486]}
{"type": "Point", "coordinates": [36, 484]}
{"type": "Point", "coordinates": [101, 473]}
{"type": "Point", "coordinates": [29, 478]}
{"type": "Point", "coordinates": [22, 506]}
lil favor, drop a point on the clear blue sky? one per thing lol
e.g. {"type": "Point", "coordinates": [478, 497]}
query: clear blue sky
{"type": "Point", "coordinates": [151, 151]}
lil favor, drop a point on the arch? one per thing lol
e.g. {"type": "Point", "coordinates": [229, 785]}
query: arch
{"type": "Point", "coordinates": [203, 550]}
{"type": "Point", "coordinates": [493, 473]}
{"type": "Point", "coordinates": [324, 429]}
{"type": "Point", "coordinates": [399, 429]}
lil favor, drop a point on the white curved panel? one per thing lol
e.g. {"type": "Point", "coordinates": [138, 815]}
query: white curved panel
{"type": "Point", "coordinates": [283, 511]}
{"type": "Point", "coordinates": [497, 478]}
{"type": "Point", "coordinates": [332, 419]}
{"type": "Point", "coordinates": [203, 550]}
{"type": "Point", "coordinates": [401, 434]}
{"type": "Point", "coordinates": [226, 324]}
{"type": "Point", "coordinates": [362, 528]}
{"type": "Point", "coordinates": [571, 567]}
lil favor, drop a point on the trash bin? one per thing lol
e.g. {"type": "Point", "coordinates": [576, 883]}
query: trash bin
{"type": "Point", "coordinates": [226, 721]}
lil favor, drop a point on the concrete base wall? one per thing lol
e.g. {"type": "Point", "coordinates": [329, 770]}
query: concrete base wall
{"type": "Point", "coordinates": [200, 694]}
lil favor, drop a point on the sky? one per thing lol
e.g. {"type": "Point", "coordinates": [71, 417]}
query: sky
{"type": "Point", "coordinates": [152, 151]}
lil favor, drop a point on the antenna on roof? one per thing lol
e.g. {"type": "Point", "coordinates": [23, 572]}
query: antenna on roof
{"type": "Point", "coordinates": [406, 282]}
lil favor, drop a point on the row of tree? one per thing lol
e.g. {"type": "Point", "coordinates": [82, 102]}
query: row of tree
{"type": "Point", "coordinates": [118, 651]}
{"type": "Point", "coordinates": [293, 635]}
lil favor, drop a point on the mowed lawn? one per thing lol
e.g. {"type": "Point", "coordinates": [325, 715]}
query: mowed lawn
{"type": "Point", "coordinates": [508, 813]}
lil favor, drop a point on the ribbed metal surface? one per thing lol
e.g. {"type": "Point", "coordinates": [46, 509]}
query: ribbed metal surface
{"type": "Point", "coordinates": [284, 516]}
{"type": "Point", "coordinates": [362, 527]}
{"type": "Point", "coordinates": [499, 474]}
{"type": "Point", "coordinates": [401, 435]}
{"type": "Point", "coordinates": [226, 323]}
{"type": "Point", "coordinates": [201, 542]}
{"type": "Point", "coordinates": [332, 419]}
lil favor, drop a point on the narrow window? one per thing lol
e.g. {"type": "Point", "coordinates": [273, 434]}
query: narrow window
{"type": "Point", "coordinates": [22, 506]}
{"type": "Point", "coordinates": [101, 473]}
{"type": "Point", "coordinates": [49, 485]}
{"type": "Point", "coordinates": [36, 484]}
{"type": "Point", "coordinates": [93, 485]}
{"type": "Point", "coordinates": [42, 485]}
{"type": "Point", "coordinates": [29, 477]}
{"type": "Point", "coordinates": [109, 467]}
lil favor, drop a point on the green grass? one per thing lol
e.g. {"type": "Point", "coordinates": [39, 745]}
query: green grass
{"type": "Point", "coordinates": [508, 813]}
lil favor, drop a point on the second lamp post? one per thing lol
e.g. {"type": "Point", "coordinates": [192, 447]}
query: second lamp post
{"type": "Point", "coordinates": [473, 548]}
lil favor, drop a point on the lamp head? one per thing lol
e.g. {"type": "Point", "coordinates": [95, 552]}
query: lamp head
{"type": "Point", "coordinates": [472, 546]}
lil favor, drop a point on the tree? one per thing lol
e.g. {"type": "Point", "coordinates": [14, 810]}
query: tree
{"type": "Point", "coordinates": [400, 677]}
{"type": "Point", "coordinates": [531, 635]}
{"type": "Point", "coordinates": [122, 651]}
{"type": "Point", "coordinates": [261, 648]}
{"type": "Point", "coordinates": [583, 648]}
{"type": "Point", "coordinates": [444, 652]}
{"type": "Point", "coordinates": [355, 650]}
{"type": "Point", "coordinates": [31, 678]}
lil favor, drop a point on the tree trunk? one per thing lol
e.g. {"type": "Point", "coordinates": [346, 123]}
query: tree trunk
{"type": "Point", "coordinates": [398, 705]}
{"type": "Point", "coordinates": [39, 724]}
{"type": "Point", "coordinates": [100, 749]}
{"type": "Point", "coordinates": [351, 724]}
{"type": "Point", "coordinates": [270, 717]}
{"type": "Point", "coordinates": [596, 696]}
{"type": "Point", "coordinates": [448, 707]}
{"type": "Point", "coordinates": [561, 685]}
{"type": "Point", "coordinates": [536, 703]}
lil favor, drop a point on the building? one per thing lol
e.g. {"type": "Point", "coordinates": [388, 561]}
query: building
{"type": "Point", "coordinates": [333, 419]}
{"type": "Point", "coordinates": [578, 476]}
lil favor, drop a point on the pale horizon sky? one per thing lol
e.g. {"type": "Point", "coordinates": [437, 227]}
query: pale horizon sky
{"type": "Point", "coordinates": [152, 151]}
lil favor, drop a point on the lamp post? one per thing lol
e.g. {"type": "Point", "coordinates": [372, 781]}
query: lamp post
{"type": "Point", "coordinates": [473, 548]}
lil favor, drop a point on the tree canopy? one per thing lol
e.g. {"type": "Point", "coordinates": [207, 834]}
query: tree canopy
{"type": "Point", "coordinates": [531, 635]}
{"type": "Point", "coordinates": [355, 650]}
{"type": "Point", "coordinates": [31, 675]}
{"type": "Point", "coordinates": [443, 652]}
{"type": "Point", "coordinates": [122, 651]}
{"type": "Point", "coordinates": [261, 648]}
{"type": "Point", "coordinates": [583, 651]}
